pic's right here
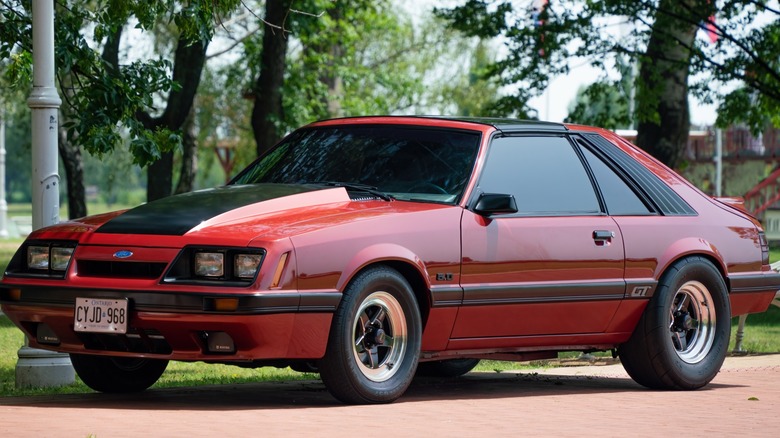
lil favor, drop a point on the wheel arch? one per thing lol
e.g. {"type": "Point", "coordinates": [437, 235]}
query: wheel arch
{"type": "Point", "coordinates": [402, 260]}
{"type": "Point", "coordinates": [693, 247]}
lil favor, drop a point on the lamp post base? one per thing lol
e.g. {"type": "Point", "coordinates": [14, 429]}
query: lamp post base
{"type": "Point", "coordinates": [40, 368]}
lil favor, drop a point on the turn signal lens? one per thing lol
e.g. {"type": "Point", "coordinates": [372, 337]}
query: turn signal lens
{"type": "Point", "coordinates": [225, 304]}
{"type": "Point", "coordinates": [246, 265]}
{"type": "Point", "coordinates": [209, 264]}
{"type": "Point", "coordinates": [38, 257]}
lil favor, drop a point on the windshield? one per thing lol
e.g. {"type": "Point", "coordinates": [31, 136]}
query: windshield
{"type": "Point", "coordinates": [405, 162]}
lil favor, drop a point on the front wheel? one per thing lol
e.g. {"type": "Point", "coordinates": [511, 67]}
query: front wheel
{"type": "Point", "coordinates": [117, 374]}
{"type": "Point", "coordinates": [374, 342]}
{"type": "Point", "coordinates": [682, 338]}
{"type": "Point", "coordinates": [447, 368]}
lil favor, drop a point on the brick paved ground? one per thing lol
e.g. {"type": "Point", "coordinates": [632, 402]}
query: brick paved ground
{"type": "Point", "coordinates": [744, 399]}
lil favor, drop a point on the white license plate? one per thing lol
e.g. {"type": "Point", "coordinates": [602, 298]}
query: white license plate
{"type": "Point", "coordinates": [100, 315]}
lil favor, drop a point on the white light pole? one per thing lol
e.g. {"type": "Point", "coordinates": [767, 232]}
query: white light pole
{"type": "Point", "coordinates": [37, 368]}
{"type": "Point", "coordinates": [3, 204]}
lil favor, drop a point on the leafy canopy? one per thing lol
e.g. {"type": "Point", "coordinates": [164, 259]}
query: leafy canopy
{"type": "Point", "coordinates": [541, 44]}
{"type": "Point", "coordinates": [103, 100]}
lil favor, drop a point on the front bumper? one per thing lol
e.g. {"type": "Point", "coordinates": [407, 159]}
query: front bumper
{"type": "Point", "coordinates": [176, 326]}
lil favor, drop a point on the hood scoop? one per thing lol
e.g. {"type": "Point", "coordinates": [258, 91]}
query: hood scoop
{"type": "Point", "coordinates": [176, 215]}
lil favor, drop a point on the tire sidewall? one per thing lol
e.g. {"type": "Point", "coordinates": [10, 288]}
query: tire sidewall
{"type": "Point", "coordinates": [389, 281]}
{"type": "Point", "coordinates": [684, 374]}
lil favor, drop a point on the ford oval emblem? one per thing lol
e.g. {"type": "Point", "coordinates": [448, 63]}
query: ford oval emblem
{"type": "Point", "coordinates": [123, 254]}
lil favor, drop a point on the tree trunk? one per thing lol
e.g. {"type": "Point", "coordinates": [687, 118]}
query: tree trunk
{"type": "Point", "coordinates": [267, 111]}
{"type": "Point", "coordinates": [189, 157]}
{"type": "Point", "coordinates": [70, 154]}
{"type": "Point", "coordinates": [159, 177]}
{"type": "Point", "coordinates": [188, 65]}
{"type": "Point", "coordinates": [662, 87]}
{"type": "Point", "coordinates": [331, 78]}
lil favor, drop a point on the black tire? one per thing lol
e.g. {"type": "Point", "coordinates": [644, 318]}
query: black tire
{"type": "Point", "coordinates": [374, 341]}
{"type": "Point", "coordinates": [305, 367]}
{"type": "Point", "coordinates": [682, 337]}
{"type": "Point", "coordinates": [117, 374]}
{"type": "Point", "coordinates": [447, 368]}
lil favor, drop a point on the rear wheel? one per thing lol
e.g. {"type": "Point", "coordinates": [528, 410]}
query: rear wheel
{"type": "Point", "coordinates": [682, 338]}
{"type": "Point", "coordinates": [374, 341]}
{"type": "Point", "coordinates": [117, 374]}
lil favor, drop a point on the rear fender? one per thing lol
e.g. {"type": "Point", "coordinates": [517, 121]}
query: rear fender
{"type": "Point", "coordinates": [687, 247]}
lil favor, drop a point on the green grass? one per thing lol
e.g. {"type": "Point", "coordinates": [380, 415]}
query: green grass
{"type": "Point", "coordinates": [762, 332]}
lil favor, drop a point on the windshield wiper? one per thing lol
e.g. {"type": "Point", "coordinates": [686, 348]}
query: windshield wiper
{"type": "Point", "coordinates": [357, 187]}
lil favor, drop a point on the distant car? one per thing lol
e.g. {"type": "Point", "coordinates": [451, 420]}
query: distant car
{"type": "Point", "coordinates": [363, 247]}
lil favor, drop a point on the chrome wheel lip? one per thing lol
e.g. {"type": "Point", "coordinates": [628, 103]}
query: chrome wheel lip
{"type": "Point", "coordinates": [692, 344]}
{"type": "Point", "coordinates": [388, 357]}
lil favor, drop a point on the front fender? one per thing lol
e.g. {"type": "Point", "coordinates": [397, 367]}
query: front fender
{"type": "Point", "coordinates": [379, 253]}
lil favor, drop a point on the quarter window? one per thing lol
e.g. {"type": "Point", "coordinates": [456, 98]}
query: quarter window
{"type": "Point", "coordinates": [621, 200]}
{"type": "Point", "coordinates": [545, 175]}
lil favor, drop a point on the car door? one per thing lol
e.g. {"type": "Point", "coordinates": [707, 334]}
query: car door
{"type": "Point", "coordinates": [556, 265]}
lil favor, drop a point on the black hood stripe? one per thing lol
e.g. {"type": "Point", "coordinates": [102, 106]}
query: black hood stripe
{"type": "Point", "coordinates": [176, 215]}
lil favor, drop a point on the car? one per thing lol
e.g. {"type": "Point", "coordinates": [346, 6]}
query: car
{"type": "Point", "coordinates": [373, 249]}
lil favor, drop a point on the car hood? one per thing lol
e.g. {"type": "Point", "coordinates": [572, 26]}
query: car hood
{"type": "Point", "coordinates": [181, 214]}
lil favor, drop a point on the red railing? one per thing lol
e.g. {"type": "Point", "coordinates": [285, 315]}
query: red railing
{"type": "Point", "coordinates": [764, 194]}
{"type": "Point", "coordinates": [739, 144]}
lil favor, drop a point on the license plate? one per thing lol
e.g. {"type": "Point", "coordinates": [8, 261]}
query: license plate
{"type": "Point", "coordinates": [100, 315]}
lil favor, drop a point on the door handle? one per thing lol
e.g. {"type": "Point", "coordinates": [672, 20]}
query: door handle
{"type": "Point", "coordinates": [603, 236]}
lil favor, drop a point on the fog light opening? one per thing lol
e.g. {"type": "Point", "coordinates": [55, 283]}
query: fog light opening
{"type": "Point", "coordinates": [45, 335]}
{"type": "Point", "coordinates": [219, 342]}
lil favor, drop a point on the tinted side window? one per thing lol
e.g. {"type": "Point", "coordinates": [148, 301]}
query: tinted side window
{"type": "Point", "coordinates": [621, 200]}
{"type": "Point", "coordinates": [545, 175]}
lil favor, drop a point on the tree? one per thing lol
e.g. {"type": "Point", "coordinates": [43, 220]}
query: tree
{"type": "Point", "coordinates": [660, 36]}
{"type": "Point", "coordinates": [267, 110]}
{"type": "Point", "coordinates": [108, 103]}
{"type": "Point", "coordinates": [662, 86]}
{"type": "Point", "coordinates": [350, 57]}
{"type": "Point", "coordinates": [600, 104]}
{"type": "Point", "coordinates": [472, 93]}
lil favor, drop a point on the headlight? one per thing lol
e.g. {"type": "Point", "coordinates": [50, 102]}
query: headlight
{"type": "Point", "coordinates": [60, 257]}
{"type": "Point", "coordinates": [209, 264]}
{"type": "Point", "coordinates": [246, 265]}
{"type": "Point", "coordinates": [38, 257]}
{"type": "Point", "coordinates": [45, 257]}
{"type": "Point", "coordinates": [225, 266]}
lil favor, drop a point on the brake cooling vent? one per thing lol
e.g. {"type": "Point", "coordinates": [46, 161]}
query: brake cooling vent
{"type": "Point", "coordinates": [667, 200]}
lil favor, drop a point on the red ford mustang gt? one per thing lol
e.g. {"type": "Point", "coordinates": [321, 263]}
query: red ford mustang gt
{"type": "Point", "coordinates": [373, 248]}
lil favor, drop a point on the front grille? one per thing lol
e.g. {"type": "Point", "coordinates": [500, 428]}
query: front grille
{"type": "Point", "coordinates": [134, 341]}
{"type": "Point", "coordinates": [114, 269]}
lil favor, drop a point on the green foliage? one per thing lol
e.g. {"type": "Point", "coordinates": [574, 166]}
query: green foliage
{"type": "Point", "coordinates": [103, 100]}
{"type": "Point", "coordinates": [540, 44]}
{"type": "Point", "coordinates": [600, 104]}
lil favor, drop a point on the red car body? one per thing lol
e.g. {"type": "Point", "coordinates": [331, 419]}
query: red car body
{"type": "Point", "coordinates": [486, 285]}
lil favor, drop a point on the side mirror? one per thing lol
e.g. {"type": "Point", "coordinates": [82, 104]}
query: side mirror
{"type": "Point", "coordinates": [495, 203]}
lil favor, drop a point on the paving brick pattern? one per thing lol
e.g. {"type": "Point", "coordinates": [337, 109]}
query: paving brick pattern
{"type": "Point", "coordinates": [743, 400]}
